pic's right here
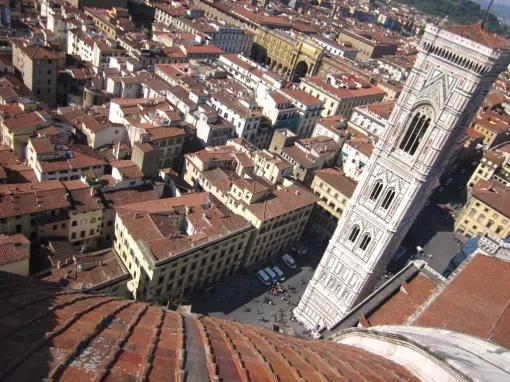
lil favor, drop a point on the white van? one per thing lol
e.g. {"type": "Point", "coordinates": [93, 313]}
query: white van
{"type": "Point", "coordinates": [289, 261]}
{"type": "Point", "coordinates": [264, 278]}
{"type": "Point", "coordinates": [270, 273]}
{"type": "Point", "coordinates": [279, 273]}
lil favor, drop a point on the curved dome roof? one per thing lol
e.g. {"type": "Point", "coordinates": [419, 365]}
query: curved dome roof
{"type": "Point", "coordinates": [433, 354]}
{"type": "Point", "coordinates": [48, 331]}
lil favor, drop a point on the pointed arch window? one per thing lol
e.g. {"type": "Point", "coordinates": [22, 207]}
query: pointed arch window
{"type": "Point", "coordinates": [416, 130]}
{"type": "Point", "coordinates": [365, 241]}
{"type": "Point", "coordinates": [376, 190]}
{"type": "Point", "coordinates": [354, 233]}
{"type": "Point", "coordinates": [388, 198]}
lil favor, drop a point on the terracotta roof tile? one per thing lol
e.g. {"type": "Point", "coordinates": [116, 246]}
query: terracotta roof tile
{"type": "Point", "coordinates": [42, 145]}
{"type": "Point", "coordinates": [493, 194]}
{"type": "Point", "coordinates": [7, 157]}
{"type": "Point", "coordinates": [25, 121]}
{"type": "Point", "coordinates": [96, 271]}
{"type": "Point", "coordinates": [382, 109]}
{"type": "Point", "coordinates": [399, 307]}
{"type": "Point", "coordinates": [338, 180]}
{"type": "Point", "coordinates": [157, 224]}
{"type": "Point", "coordinates": [52, 332]}
{"type": "Point", "coordinates": [302, 96]}
{"type": "Point", "coordinates": [37, 52]}
{"type": "Point", "coordinates": [282, 201]}
{"type": "Point", "coordinates": [127, 168]}
{"type": "Point", "coordinates": [342, 93]}
{"type": "Point", "coordinates": [27, 198]}
{"type": "Point", "coordinates": [493, 121]}
{"type": "Point", "coordinates": [475, 32]}
{"type": "Point", "coordinates": [475, 302]}
{"type": "Point", "coordinates": [13, 248]}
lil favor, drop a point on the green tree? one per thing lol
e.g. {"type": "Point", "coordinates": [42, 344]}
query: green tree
{"type": "Point", "coordinates": [459, 11]}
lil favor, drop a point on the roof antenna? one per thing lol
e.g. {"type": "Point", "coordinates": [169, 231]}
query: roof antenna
{"type": "Point", "coordinates": [486, 14]}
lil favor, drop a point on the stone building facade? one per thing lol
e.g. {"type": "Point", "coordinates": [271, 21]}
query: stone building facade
{"type": "Point", "coordinates": [453, 72]}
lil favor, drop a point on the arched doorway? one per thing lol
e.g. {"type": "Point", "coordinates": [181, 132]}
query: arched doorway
{"type": "Point", "coordinates": [300, 71]}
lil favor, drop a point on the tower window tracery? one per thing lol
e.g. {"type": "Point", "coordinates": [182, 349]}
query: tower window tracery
{"type": "Point", "coordinates": [376, 191]}
{"type": "Point", "coordinates": [354, 233]}
{"type": "Point", "coordinates": [416, 130]}
{"type": "Point", "coordinates": [388, 198]}
{"type": "Point", "coordinates": [365, 241]}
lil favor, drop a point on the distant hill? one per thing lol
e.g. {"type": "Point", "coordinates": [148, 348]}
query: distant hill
{"type": "Point", "coordinates": [500, 8]}
{"type": "Point", "coordinates": [460, 11]}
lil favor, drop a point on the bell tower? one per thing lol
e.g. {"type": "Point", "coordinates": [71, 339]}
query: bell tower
{"type": "Point", "coordinates": [454, 70]}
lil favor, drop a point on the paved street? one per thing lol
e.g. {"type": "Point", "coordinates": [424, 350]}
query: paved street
{"type": "Point", "coordinates": [243, 298]}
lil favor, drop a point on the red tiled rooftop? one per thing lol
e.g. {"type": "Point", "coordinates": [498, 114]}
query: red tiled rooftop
{"type": "Point", "coordinates": [279, 98]}
{"type": "Point", "coordinates": [27, 198]}
{"type": "Point", "coordinates": [37, 52]}
{"type": "Point", "coordinates": [82, 196]}
{"type": "Point", "coordinates": [382, 109]}
{"type": "Point", "coordinates": [48, 331]}
{"type": "Point", "coordinates": [13, 248]}
{"type": "Point", "coordinates": [475, 302]}
{"type": "Point", "coordinates": [303, 97]}
{"type": "Point", "coordinates": [338, 180]}
{"type": "Point", "coordinates": [283, 201]}
{"type": "Point", "coordinates": [472, 133]}
{"type": "Point", "coordinates": [493, 194]}
{"type": "Point", "coordinates": [130, 195]}
{"type": "Point", "coordinates": [25, 121]}
{"type": "Point", "coordinates": [399, 307]}
{"type": "Point", "coordinates": [127, 168]}
{"type": "Point", "coordinates": [342, 93]}
{"type": "Point", "coordinates": [300, 156]}
{"type": "Point", "coordinates": [7, 157]}
{"type": "Point", "coordinates": [202, 49]}
{"type": "Point", "coordinates": [96, 271]}
{"type": "Point", "coordinates": [80, 159]}
{"type": "Point", "coordinates": [360, 142]}
{"type": "Point", "coordinates": [42, 145]}
{"type": "Point", "coordinates": [493, 121]}
{"type": "Point", "coordinates": [477, 33]}
{"type": "Point", "coordinates": [157, 224]}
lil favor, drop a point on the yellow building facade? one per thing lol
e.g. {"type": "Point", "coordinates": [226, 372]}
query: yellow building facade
{"type": "Point", "coordinates": [204, 246]}
{"type": "Point", "coordinates": [334, 189]}
{"type": "Point", "coordinates": [487, 211]}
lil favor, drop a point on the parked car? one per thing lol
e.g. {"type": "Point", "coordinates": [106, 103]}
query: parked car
{"type": "Point", "coordinates": [271, 274]}
{"type": "Point", "coordinates": [279, 273]}
{"type": "Point", "coordinates": [289, 261]}
{"type": "Point", "coordinates": [264, 278]}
